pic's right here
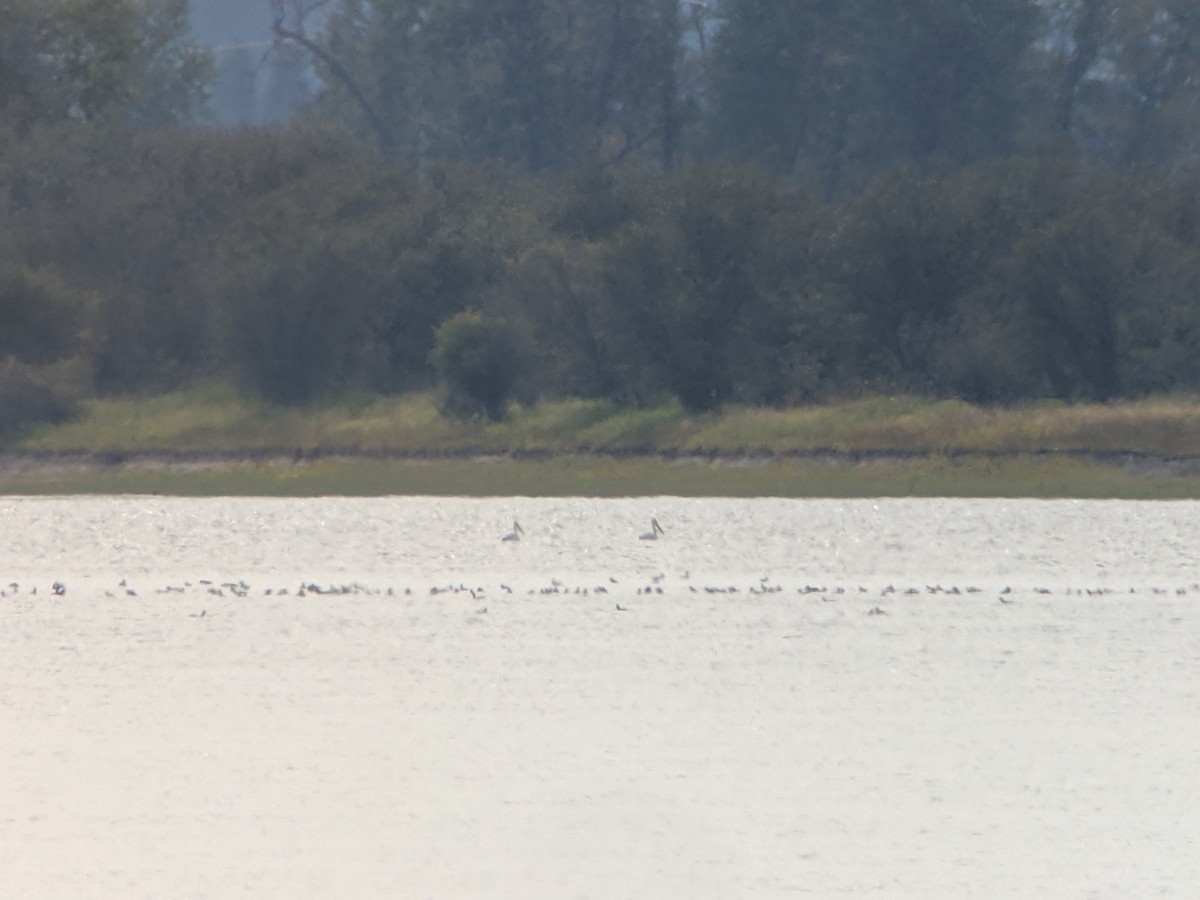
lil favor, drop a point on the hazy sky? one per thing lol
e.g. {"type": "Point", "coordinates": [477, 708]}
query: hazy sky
{"type": "Point", "coordinates": [216, 22]}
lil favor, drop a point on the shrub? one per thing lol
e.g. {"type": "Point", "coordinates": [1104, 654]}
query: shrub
{"type": "Point", "coordinates": [40, 320]}
{"type": "Point", "coordinates": [476, 361]}
{"type": "Point", "coordinates": [294, 332]}
{"type": "Point", "coordinates": [31, 395]}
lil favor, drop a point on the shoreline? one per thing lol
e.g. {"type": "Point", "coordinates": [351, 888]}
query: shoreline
{"type": "Point", "coordinates": [19, 461]}
{"type": "Point", "coordinates": [826, 472]}
{"type": "Point", "coordinates": [15, 459]}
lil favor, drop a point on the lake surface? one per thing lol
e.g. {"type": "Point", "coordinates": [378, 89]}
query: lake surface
{"type": "Point", "coordinates": [776, 698]}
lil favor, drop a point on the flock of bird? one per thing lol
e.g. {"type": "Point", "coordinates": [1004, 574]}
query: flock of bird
{"type": "Point", "coordinates": [654, 586]}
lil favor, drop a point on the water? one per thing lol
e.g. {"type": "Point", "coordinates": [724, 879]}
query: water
{"type": "Point", "coordinates": [380, 698]}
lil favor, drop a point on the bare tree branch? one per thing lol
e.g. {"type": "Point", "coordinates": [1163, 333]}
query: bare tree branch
{"type": "Point", "coordinates": [297, 33]}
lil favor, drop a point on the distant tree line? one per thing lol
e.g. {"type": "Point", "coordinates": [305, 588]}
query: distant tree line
{"type": "Point", "coordinates": [834, 92]}
{"type": "Point", "coordinates": [739, 202]}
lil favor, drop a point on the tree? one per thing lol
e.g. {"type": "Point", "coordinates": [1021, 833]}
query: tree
{"type": "Point", "coordinates": [41, 321]}
{"type": "Point", "coordinates": [42, 329]}
{"type": "Point", "coordinates": [899, 252]}
{"type": "Point", "coordinates": [963, 68]}
{"type": "Point", "coordinates": [532, 81]}
{"type": "Point", "coordinates": [122, 216]}
{"type": "Point", "coordinates": [1075, 284]}
{"type": "Point", "coordinates": [851, 87]}
{"type": "Point", "coordinates": [785, 79]}
{"type": "Point", "coordinates": [690, 280]}
{"type": "Point", "coordinates": [1157, 50]}
{"type": "Point", "coordinates": [292, 341]}
{"type": "Point", "coordinates": [1079, 30]}
{"type": "Point", "coordinates": [1126, 78]}
{"type": "Point", "coordinates": [123, 61]}
{"type": "Point", "coordinates": [291, 23]}
{"type": "Point", "coordinates": [946, 282]}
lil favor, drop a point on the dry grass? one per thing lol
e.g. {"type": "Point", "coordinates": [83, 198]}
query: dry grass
{"type": "Point", "coordinates": [215, 418]}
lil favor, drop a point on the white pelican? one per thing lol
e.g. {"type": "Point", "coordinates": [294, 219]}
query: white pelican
{"type": "Point", "coordinates": [515, 534]}
{"type": "Point", "coordinates": [654, 532]}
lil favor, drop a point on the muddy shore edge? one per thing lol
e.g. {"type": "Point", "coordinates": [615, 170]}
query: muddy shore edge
{"type": "Point", "coordinates": [17, 463]}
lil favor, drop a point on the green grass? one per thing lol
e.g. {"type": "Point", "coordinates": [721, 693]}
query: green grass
{"type": "Point", "coordinates": [218, 442]}
{"type": "Point", "coordinates": [1020, 476]}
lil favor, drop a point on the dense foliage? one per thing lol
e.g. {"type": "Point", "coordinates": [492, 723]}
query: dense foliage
{"type": "Point", "coordinates": [477, 363]}
{"type": "Point", "coordinates": [987, 200]}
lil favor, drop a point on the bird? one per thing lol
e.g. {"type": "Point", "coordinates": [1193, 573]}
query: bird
{"type": "Point", "coordinates": [654, 532]}
{"type": "Point", "coordinates": [515, 534]}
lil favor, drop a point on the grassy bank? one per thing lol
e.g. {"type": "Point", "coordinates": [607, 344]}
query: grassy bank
{"type": "Point", "coordinates": [212, 441]}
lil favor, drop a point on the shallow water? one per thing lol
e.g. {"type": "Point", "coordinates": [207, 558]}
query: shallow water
{"type": "Point", "coordinates": [380, 698]}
